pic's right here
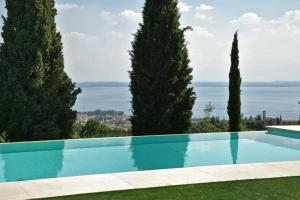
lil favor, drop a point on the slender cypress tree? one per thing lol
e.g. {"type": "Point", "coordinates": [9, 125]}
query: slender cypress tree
{"type": "Point", "coordinates": [234, 102]}
{"type": "Point", "coordinates": [162, 99]}
{"type": "Point", "coordinates": [36, 94]}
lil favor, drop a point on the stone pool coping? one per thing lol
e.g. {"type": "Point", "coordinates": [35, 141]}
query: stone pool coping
{"type": "Point", "coordinates": [294, 128]}
{"type": "Point", "coordinates": [145, 179]}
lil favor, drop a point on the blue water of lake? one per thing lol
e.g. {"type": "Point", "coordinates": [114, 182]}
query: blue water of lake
{"type": "Point", "coordinates": [275, 100]}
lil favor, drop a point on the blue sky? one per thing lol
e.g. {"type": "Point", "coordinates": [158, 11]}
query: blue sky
{"type": "Point", "coordinates": [97, 36]}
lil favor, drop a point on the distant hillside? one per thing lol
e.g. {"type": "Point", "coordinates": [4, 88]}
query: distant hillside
{"type": "Point", "coordinates": [101, 113]}
{"type": "Point", "coordinates": [198, 84]}
{"type": "Point", "coordinates": [250, 84]}
{"type": "Point", "coordinates": [102, 84]}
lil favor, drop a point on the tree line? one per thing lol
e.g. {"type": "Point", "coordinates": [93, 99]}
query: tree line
{"type": "Point", "coordinates": [93, 128]}
{"type": "Point", "coordinates": [37, 95]}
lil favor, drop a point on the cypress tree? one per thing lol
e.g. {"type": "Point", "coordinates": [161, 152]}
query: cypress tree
{"type": "Point", "coordinates": [162, 99]}
{"type": "Point", "coordinates": [36, 94]}
{"type": "Point", "coordinates": [234, 102]}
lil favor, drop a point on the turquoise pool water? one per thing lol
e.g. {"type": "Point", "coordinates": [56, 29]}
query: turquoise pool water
{"type": "Point", "coordinates": [39, 160]}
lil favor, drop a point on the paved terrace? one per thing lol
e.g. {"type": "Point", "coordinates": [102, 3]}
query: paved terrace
{"type": "Point", "coordinates": [286, 128]}
{"type": "Point", "coordinates": [145, 179]}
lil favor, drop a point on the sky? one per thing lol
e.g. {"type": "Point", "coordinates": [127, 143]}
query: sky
{"type": "Point", "coordinates": [97, 36]}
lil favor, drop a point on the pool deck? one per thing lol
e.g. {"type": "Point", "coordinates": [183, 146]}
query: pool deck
{"type": "Point", "coordinates": [295, 128]}
{"type": "Point", "coordinates": [145, 179]}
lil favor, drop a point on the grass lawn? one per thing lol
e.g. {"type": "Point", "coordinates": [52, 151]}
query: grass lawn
{"type": "Point", "coordinates": [280, 188]}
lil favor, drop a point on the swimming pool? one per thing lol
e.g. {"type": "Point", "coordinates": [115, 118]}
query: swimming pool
{"type": "Point", "coordinates": [40, 160]}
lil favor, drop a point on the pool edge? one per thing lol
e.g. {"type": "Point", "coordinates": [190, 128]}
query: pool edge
{"type": "Point", "coordinates": [54, 187]}
{"type": "Point", "coordinates": [103, 138]}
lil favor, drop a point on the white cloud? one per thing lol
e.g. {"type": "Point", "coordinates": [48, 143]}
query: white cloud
{"type": "Point", "coordinates": [292, 15]}
{"type": "Point", "coordinates": [288, 23]}
{"type": "Point", "coordinates": [204, 7]}
{"type": "Point", "coordinates": [286, 28]}
{"type": "Point", "coordinates": [200, 31]}
{"type": "Point", "coordinates": [67, 6]}
{"type": "Point", "coordinates": [203, 17]}
{"type": "Point", "coordinates": [105, 13]}
{"type": "Point", "coordinates": [249, 19]}
{"type": "Point", "coordinates": [88, 58]}
{"type": "Point", "coordinates": [77, 36]}
{"type": "Point", "coordinates": [116, 34]}
{"type": "Point", "coordinates": [183, 7]}
{"type": "Point", "coordinates": [131, 15]}
{"type": "Point", "coordinates": [269, 46]}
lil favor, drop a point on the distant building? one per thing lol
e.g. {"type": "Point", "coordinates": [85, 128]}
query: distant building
{"type": "Point", "coordinates": [115, 120]}
{"type": "Point", "coordinates": [264, 114]}
{"type": "Point", "coordinates": [82, 118]}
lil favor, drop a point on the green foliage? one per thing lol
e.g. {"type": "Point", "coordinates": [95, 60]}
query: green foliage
{"type": "Point", "coordinates": [94, 128]}
{"type": "Point", "coordinates": [255, 123]}
{"type": "Point", "coordinates": [36, 94]}
{"type": "Point", "coordinates": [214, 124]}
{"type": "Point", "coordinates": [2, 137]}
{"type": "Point", "coordinates": [234, 102]}
{"type": "Point", "coordinates": [76, 130]}
{"type": "Point", "coordinates": [208, 110]}
{"type": "Point", "coordinates": [162, 99]}
{"type": "Point", "coordinates": [208, 123]}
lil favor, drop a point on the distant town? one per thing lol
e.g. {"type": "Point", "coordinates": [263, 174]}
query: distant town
{"type": "Point", "coordinates": [119, 120]}
{"type": "Point", "coordinates": [110, 118]}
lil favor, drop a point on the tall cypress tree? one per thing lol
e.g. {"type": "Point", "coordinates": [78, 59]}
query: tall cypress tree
{"type": "Point", "coordinates": [36, 94]}
{"type": "Point", "coordinates": [234, 102]}
{"type": "Point", "coordinates": [162, 99]}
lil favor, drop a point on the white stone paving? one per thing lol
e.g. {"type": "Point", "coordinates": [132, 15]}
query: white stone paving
{"type": "Point", "coordinates": [144, 179]}
{"type": "Point", "coordinates": [287, 127]}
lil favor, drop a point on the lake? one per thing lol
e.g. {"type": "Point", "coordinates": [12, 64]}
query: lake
{"type": "Point", "coordinates": [275, 100]}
